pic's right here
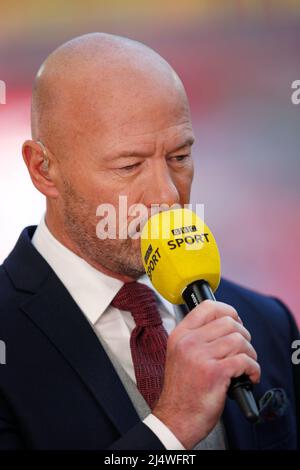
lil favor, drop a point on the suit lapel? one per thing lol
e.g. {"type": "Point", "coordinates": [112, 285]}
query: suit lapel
{"type": "Point", "coordinates": [54, 312]}
{"type": "Point", "coordinates": [240, 433]}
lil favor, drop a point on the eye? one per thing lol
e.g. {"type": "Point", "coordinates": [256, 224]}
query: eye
{"type": "Point", "coordinates": [129, 168]}
{"type": "Point", "coordinates": [179, 158]}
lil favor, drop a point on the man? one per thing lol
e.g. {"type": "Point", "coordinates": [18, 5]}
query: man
{"type": "Point", "coordinates": [110, 118]}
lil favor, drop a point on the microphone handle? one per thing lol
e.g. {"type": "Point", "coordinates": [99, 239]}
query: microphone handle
{"type": "Point", "coordinates": [240, 388]}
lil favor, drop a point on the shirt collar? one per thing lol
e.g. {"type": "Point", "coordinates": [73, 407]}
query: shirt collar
{"type": "Point", "coordinates": [91, 289]}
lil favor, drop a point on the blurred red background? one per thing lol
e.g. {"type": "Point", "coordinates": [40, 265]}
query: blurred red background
{"type": "Point", "coordinates": [237, 60]}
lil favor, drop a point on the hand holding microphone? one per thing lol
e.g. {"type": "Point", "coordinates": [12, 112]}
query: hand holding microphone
{"type": "Point", "coordinates": [209, 353]}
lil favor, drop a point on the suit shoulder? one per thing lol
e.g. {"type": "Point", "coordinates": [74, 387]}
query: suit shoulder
{"type": "Point", "coordinates": [262, 308]}
{"type": "Point", "coordinates": [227, 288]}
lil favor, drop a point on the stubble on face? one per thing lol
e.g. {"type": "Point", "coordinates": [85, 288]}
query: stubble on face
{"type": "Point", "coordinates": [116, 255]}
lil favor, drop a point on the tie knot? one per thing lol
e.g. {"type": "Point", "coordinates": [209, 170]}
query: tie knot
{"type": "Point", "coordinates": [140, 301]}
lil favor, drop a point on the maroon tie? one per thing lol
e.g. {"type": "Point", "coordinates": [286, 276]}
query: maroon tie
{"type": "Point", "coordinates": [148, 340]}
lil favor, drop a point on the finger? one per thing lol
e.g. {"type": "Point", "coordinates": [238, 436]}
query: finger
{"type": "Point", "coordinates": [235, 366]}
{"type": "Point", "coordinates": [231, 345]}
{"type": "Point", "coordinates": [206, 312]}
{"type": "Point", "coordinates": [221, 327]}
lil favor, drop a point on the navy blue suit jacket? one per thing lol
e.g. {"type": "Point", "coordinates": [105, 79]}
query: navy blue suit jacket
{"type": "Point", "coordinates": [58, 389]}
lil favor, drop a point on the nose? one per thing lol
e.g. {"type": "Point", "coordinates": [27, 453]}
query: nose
{"type": "Point", "coordinates": [161, 188]}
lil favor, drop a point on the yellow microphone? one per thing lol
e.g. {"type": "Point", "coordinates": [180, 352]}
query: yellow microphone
{"type": "Point", "coordinates": [182, 260]}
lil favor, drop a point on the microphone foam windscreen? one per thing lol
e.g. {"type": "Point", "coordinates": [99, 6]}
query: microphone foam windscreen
{"type": "Point", "coordinates": [178, 248]}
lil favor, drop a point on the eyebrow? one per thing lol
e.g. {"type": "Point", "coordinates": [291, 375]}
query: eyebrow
{"type": "Point", "coordinates": [188, 142]}
{"type": "Point", "coordinates": [135, 152]}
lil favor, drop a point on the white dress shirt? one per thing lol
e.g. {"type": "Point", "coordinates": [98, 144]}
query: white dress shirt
{"type": "Point", "coordinates": [93, 292]}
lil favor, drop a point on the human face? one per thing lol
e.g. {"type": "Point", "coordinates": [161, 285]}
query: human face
{"type": "Point", "coordinates": [142, 152]}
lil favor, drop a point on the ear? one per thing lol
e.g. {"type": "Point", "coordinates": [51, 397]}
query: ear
{"type": "Point", "coordinates": [40, 167]}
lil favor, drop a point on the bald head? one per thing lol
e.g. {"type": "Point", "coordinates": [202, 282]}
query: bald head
{"type": "Point", "coordinates": [90, 81]}
{"type": "Point", "coordinates": [112, 118]}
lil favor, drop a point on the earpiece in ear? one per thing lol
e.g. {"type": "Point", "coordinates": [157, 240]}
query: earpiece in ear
{"type": "Point", "coordinates": [45, 164]}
